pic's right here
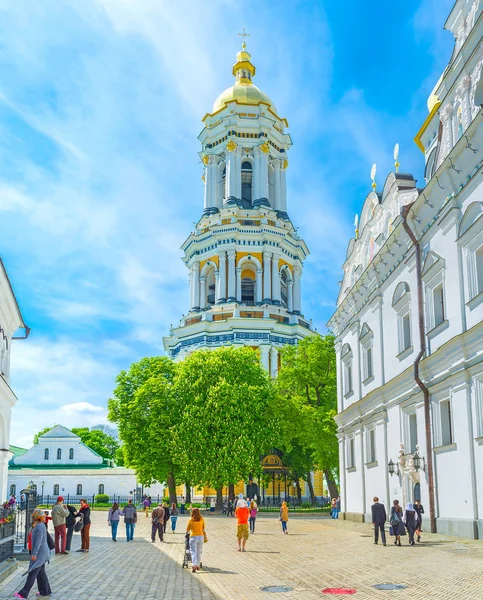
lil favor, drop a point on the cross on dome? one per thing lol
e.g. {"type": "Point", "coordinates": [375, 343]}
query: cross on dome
{"type": "Point", "coordinates": [244, 35]}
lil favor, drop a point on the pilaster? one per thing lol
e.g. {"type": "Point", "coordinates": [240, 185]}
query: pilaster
{"type": "Point", "coordinates": [267, 286]}
{"type": "Point", "coordinates": [231, 276]}
{"type": "Point", "coordinates": [221, 288]}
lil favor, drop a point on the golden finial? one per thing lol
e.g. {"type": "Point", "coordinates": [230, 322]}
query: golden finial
{"type": "Point", "coordinates": [356, 225]}
{"type": "Point", "coordinates": [396, 156]}
{"type": "Point", "coordinates": [244, 35]}
{"type": "Point", "coordinates": [373, 177]}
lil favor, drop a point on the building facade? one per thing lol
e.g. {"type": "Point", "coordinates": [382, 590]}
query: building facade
{"type": "Point", "coordinates": [408, 323]}
{"type": "Point", "coordinates": [61, 464]}
{"type": "Point", "coordinates": [10, 321]}
{"type": "Point", "coordinates": [245, 257]}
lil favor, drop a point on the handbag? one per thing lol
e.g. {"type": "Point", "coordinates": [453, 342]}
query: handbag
{"type": "Point", "coordinates": [79, 524]}
{"type": "Point", "coordinates": [394, 520]}
{"type": "Point", "coordinates": [391, 530]}
{"type": "Point", "coordinates": [205, 538]}
{"type": "Point", "coordinates": [50, 541]}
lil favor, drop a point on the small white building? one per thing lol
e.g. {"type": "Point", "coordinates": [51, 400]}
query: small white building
{"type": "Point", "coordinates": [10, 321]}
{"type": "Point", "coordinates": [408, 323]}
{"type": "Point", "coordinates": [61, 464]}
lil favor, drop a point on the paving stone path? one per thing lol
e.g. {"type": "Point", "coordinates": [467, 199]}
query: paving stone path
{"type": "Point", "coordinates": [318, 553]}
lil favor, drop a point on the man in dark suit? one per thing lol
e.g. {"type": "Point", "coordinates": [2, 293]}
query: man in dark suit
{"type": "Point", "coordinates": [379, 519]}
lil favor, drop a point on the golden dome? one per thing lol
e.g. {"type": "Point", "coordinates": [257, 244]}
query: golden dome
{"type": "Point", "coordinates": [243, 92]}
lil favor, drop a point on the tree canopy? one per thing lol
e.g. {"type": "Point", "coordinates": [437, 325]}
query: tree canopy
{"type": "Point", "coordinates": [228, 415]}
{"type": "Point", "coordinates": [307, 390]}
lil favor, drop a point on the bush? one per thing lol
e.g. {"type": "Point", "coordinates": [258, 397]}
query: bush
{"type": "Point", "coordinates": [101, 499]}
{"type": "Point", "coordinates": [306, 505]}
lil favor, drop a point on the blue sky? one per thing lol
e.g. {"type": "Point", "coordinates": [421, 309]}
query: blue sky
{"type": "Point", "coordinates": [100, 108]}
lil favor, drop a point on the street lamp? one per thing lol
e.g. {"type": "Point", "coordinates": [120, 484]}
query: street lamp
{"type": "Point", "coordinates": [417, 462]}
{"type": "Point", "coordinates": [390, 467]}
{"type": "Point", "coordinates": [43, 483]}
{"type": "Point", "coordinates": [31, 484]}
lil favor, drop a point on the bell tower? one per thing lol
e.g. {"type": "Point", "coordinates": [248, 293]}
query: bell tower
{"type": "Point", "coordinates": [244, 257]}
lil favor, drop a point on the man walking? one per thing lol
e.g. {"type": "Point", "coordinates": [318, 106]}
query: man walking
{"type": "Point", "coordinates": [241, 513]}
{"type": "Point", "coordinates": [130, 519]}
{"type": "Point", "coordinates": [157, 520]}
{"type": "Point", "coordinates": [59, 515]}
{"type": "Point", "coordinates": [379, 520]}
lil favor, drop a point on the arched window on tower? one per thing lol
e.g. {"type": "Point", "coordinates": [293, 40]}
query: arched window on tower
{"type": "Point", "coordinates": [248, 291]}
{"type": "Point", "coordinates": [247, 178]}
{"type": "Point", "coordinates": [210, 287]}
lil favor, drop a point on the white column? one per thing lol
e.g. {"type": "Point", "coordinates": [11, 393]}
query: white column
{"type": "Point", "coordinates": [221, 277]}
{"type": "Point", "coordinates": [196, 283]}
{"type": "Point", "coordinates": [276, 290]}
{"type": "Point", "coordinates": [256, 174]}
{"type": "Point", "coordinates": [231, 276]}
{"type": "Point", "coordinates": [238, 161]}
{"type": "Point", "coordinates": [263, 176]}
{"type": "Point", "coordinates": [259, 293]}
{"type": "Point", "coordinates": [290, 296]}
{"type": "Point", "coordinates": [283, 187]}
{"type": "Point", "coordinates": [192, 287]}
{"type": "Point", "coordinates": [238, 284]}
{"type": "Point", "coordinates": [267, 286]}
{"type": "Point", "coordinates": [273, 362]}
{"type": "Point", "coordinates": [264, 350]}
{"type": "Point", "coordinates": [277, 184]}
{"type": "Point", "coordinates": [447, 135]}
{"type": "Point", "coordinates": [202, 293]}
{"type": "Point", "coordinates": [466, 87]}
{"type": "Point", "coordinates": [217, 285]}
{"type": "Point", "coordinates": [297, 299]}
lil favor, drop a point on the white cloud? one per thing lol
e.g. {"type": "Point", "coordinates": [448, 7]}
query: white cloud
{"type": "Point", "coordinates": [79, 407]}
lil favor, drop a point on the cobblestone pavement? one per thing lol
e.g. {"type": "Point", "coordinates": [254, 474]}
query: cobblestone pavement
{"type": "Point", "coordinates": [318, 553]}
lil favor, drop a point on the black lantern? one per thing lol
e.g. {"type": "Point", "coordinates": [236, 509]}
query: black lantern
{"type": "Point", "coordinates": [390, 467]}
{"type": "Point", "coordinates": [417, 461]}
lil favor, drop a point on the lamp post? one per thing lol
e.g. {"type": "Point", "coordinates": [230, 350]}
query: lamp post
{"type": "Point", "coordinates": [43, 483]}
{"type": "Point", "coordinates": [390, 467]}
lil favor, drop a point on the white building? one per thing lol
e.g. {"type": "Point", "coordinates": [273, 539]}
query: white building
{"type": "Point", "coordinates": [245, 256]}
{"type": "Point", "coordinates": [10, 320]}
{"type": "Point", "coordinates": [61, 464]}
{"type": "Point", "coordinates": [408, 323]}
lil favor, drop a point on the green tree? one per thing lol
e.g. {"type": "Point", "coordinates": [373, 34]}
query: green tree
{"type": "Point", "coordinates": [146, 413]}
{"type": "Point", "coordinates": [307, 392]}
{"type": "Point", "coordinates": [228, 418]}
{"type": "Point", "coordinates": [41, 432]}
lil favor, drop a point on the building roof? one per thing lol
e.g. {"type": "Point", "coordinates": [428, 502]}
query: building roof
{"type": "Point", "coordinates": [59, 431]}
{"type": "Point", "coordinates": [2, 268]}
{"type": "Point", "coordinates": [17, 451]}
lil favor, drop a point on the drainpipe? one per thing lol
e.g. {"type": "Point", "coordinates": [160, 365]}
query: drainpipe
{"type": "Point", "coordinates": [417, 378]}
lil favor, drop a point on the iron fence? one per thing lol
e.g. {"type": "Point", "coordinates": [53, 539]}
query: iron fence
{"type": "Point", "coordinates": [7, 532]}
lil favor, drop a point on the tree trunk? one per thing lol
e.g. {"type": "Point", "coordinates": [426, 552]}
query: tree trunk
{"type": "Point", "coordinates": [311, 488]}
{"type": "Point", "coordinates": [219, 498]}
{"type": "Point", "coordinates": [333, 491]}
{"type": "Point", "coordinates": [231, 491]}
{"type": "Point", "coordinates": [188, 492]}
{"type": "Point", "coordinates": [172, 488]}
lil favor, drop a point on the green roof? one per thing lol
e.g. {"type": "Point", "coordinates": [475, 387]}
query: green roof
{"type": "Point", "coordinates": [17, 451]}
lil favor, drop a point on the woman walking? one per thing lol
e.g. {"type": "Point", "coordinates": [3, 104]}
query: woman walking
{"type": "Point", "coordinates": [284, 517]}
{"type": "Point", "coordinates": [253, 515]}
{"type": "Point", "coordinates": [85, 511]}
{"type": "Point", "coordinates": [146, 505]}
{"type": "Point", "coordinates": [39, 556]}
{"type": "Point", "coordinates": [410, 522]}
{"type": "Point", "coordinates": [396, 522]}
{"type": "Point", "coordinates": [418, 507]}
{"type": "Point", "coordinates": [196, 529]}
{"type": "Point", "coordinates": [174, 517]}
{"type": "Point", "coordinates": [113, 518]}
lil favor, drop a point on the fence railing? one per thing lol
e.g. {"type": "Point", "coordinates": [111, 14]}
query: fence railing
{"type": "Point", "coordinates": [7, 532]}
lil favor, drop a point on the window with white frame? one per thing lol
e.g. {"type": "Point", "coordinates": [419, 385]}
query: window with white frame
{"type": "Point", "coordinates": [371, 445]}
{"type": "Point", "coordinates": [471, 239]}
{"type": "Point", "coordinates": [478, 394]}
{"type": "Point", "coordinates": [71, 454]}
{"type": "Point", "coordinates": [56, 489]}
{"type": "Point", "coordinates": [13, 489]}
{"type": "Point", "coordinates": [351, 459]}
{"type": "Point", "coordinates": [366, 341]}
{"type": "Point", "coordinates": [79, 489]}
{"type": "Point", "coordinates": [433, 277]}
{"type": "Point", "coordinates": [401, 303]}
{"type": "Point", "coordinates": [412, 434]}
{"type": "Point", "coordinates": [101, 488]}
{"type": "Point", "coordinates": [347, 369]}
{"type": "Point", "coordinates": [446, 423]}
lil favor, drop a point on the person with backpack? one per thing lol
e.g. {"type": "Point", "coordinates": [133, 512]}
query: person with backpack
{"type": "Point", "coordinates": [40, 554]}
{"type": "Point", "coordinates": [130, 519]}
{"type": "Point", "coordinates": [157, 521]}
{"type": "Point", "coordinates": [396, 520]}
{"type": "Point", "coordinates": [113, 518]}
